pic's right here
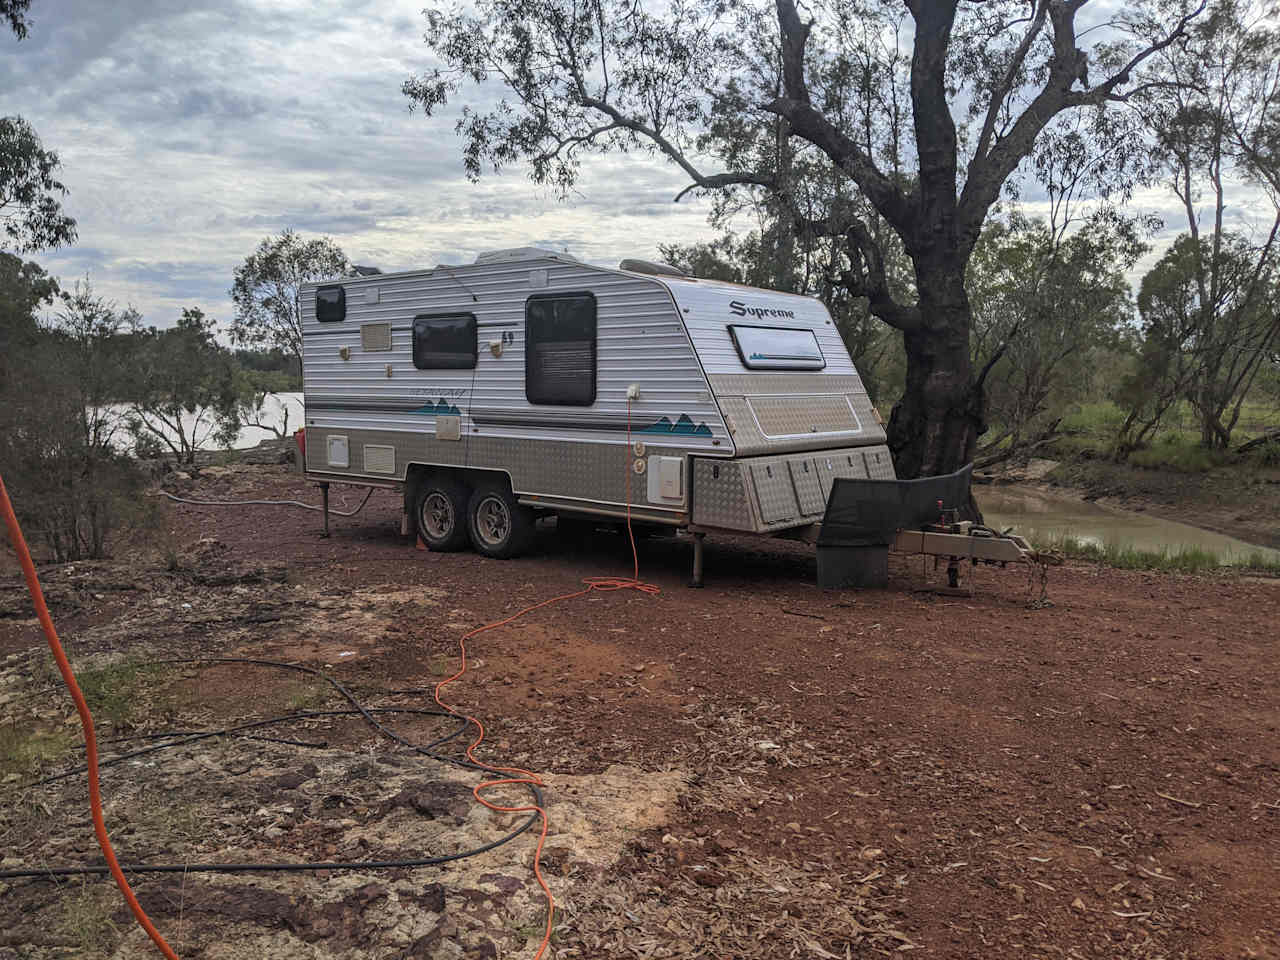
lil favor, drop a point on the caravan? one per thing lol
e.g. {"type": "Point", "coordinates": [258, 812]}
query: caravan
{"type": "Point", "coordinates": [530, 383]}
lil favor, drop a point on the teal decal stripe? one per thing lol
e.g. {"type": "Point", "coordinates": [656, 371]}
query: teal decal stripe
{"type": "Point", "coordinates": [441, 408]}
{"type": "Point", "coordinates": [683, 427]}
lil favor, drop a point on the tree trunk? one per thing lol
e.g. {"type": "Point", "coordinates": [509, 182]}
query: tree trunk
{"type": "Point", "coordinates": [934, 427]}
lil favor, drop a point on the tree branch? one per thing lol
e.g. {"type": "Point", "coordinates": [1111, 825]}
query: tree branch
{"type": "Point", "coordinates": [621, 120]}
{"type": "Point", "coordinates": [988, 171]}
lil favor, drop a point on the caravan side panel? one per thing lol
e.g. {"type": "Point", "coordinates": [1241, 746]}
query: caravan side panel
{"type": "Point", "coordinates": [376, 398]}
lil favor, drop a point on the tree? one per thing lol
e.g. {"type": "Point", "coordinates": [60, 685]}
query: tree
{"type": "Point", "coordinates": [58, 419]}
{"type": "Point", "coordinates": [1215, 350]}
{"type": "Point", "coordinates": [592, 76]}
{"type": "Point", "coordinates": [31, 216]}
{"type": "Point", "coordinates": [185, 392]}
{"type": "Point", "coordinates": [24, 289]}
{"type": "Point", "coordinates": [1214, 115]}
{"type": "Point", "coordinates": [1045, 305]}
{"type": "Point", "coordinates": [265, 290]}
{"type": "Point", "coordinates": [15, 11]}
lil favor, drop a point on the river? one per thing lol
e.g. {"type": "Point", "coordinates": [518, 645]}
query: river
{"type": "Point", "coordinates": [1042, 516]}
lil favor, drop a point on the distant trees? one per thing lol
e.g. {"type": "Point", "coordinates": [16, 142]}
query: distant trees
{"type": "Point", "coordinates": [71, 483]}
{"type": "Point", "coordinates": [1046, 305]}
{"type": "Point", "coordinates": [1208, 352]}
{"type": "Point", "coordinates": [266, 286]}
{"type": "Point", "coordinates": [1210, 315]}
{"type": "Point", "coordinates": [185, 388]}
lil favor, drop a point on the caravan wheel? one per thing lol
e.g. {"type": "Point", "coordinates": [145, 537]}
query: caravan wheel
{"type": "Point", "coordinates": [500, 527]}
{"type": "Point", "coordinates": [441, 515]}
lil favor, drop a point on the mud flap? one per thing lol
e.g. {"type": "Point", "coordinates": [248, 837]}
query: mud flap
{"type": "Point", "coordinates": [863, 517]}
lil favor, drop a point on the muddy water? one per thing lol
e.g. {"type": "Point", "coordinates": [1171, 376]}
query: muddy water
{"type": "Point", "coordinates": [1041, 516]}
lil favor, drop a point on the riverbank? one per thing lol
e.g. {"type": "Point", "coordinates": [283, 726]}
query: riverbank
{"type": "Point", "coordinates": [1240, 501]}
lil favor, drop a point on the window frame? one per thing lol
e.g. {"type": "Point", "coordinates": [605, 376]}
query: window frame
{"type": "Point", "coordinates": [742, 354]}
{"type": "Point", "coordinates": [531, 342]}
{"type": "Point", "coordinates": [341, 306]}
{"type": "Point", "coordinates": [474, 356]}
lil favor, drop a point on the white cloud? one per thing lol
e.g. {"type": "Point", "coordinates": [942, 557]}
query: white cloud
{"type": "Point", "coordinates": [189, 132]}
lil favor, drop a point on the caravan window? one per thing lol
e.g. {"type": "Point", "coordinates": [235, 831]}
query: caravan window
{"type": "Point", "coordinates": [560, 349]}
{"type": "Point", "coordinates": [331, 304]}
{"type": "Point", "coordinates": [777, 348]}
{"type": "Point", "coordinates": [444, 341]}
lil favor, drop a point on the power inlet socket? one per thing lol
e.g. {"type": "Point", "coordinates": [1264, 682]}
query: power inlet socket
{"type": "Point", "coordinates": [633, 391]}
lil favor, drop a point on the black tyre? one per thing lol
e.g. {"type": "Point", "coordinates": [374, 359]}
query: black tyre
{"type": "Point", "coordinates": [440, 514]}
{"type": "Point", "coordinates": [500, 527]}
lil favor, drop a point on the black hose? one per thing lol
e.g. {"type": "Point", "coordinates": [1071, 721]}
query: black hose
{"type": "Point", "coordinates": [269, 503]}
{"type": "Point", "coordinates": [197, 735]}
{"type": "Point", "coordinates": [358, 708]}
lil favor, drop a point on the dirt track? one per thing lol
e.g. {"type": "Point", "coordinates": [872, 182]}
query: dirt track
{"type": "Point", "coordinates": [857, 772]}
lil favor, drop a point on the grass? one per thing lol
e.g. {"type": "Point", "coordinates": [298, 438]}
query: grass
{"type": "Point", "coordinates": [120, 693]}
{"type": "Point", "coordinates": [86, 919]}
{"type": "Point", "coordinates": [309, 697]}
{"type": "Point", "coordinates": [27, 752]}
{"type": "Point", "coordinates": [1182, 560]}
{"type": "Point", "coordinates": [1091, 429]}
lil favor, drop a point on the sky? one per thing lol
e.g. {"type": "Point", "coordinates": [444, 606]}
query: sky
{"type": "Point", "coordinates": [189, 130]}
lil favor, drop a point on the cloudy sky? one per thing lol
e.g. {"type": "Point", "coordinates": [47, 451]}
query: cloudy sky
{"type": "Point", "coordinates": [190, 129]}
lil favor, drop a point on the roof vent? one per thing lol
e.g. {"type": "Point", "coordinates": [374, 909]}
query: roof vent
{"type": "Point", "coordinates": [651, 266]}
{"type": "Point", "coordinates": [522, 253]}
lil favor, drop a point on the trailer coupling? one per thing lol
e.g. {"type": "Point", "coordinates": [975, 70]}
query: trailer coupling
{"type": "Point", "coordinates": [864, 519]}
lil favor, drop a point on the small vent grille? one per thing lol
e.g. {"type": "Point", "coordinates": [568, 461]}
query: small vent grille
{"type": "Point", "coordinates": [375, 337]}
{"type": "Point", "coordinates": [379, 459]}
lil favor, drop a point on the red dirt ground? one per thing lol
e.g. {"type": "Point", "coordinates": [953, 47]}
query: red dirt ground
{"type": "Point", "coordinates": [1100, 778]}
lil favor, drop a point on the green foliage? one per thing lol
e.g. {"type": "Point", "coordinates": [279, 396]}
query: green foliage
{"type": "Point", "coordinates": [1046, 307]}
{"type": "Point", "coordinates": [71, 486]}
{"type": "Point", "coordinates": [15, 11]}
{"type": "Point", "coordinates": [266, 286]}
{"type": "Point", "coordinates": [27, 750]}
{"type": "Point", "coordinates": [1182, 560]}
{"type": "Point", "coordinates": [31, 216]}
{"type": "Point", "coordinates": [120, 693]}
{"type": "Point", "coordinates": [1266, 455]}
{"type": "Point", "coordinates": [1209, 324]}
{"type": "Point", "coordinates": [185, 390]}
{"type": "Point", "coordinates": [1175, 452]}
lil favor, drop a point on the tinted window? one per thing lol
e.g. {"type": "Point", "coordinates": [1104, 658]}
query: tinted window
{"type": "Point", "coordinates": [560, 349]}
{"type": "Point", "coordinates": [331, 304]}
{"type": "Point", "coordinates": [444, 341]}
{"type": "Point", "coordinates": [777, 348]}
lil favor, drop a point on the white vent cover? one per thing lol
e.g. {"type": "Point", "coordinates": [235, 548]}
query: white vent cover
{"type": "Point", "coordinates": [651, 267]}
{"type": "Point", "coordinates": [522, 253]}
{"type": "Point", "coordinates": [379, 458]}
{"type": "Point", "coordinates": [339, 453]}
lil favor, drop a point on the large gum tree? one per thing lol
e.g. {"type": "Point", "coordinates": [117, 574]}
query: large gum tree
{"type": "Point", "coordinates": [922, 112]}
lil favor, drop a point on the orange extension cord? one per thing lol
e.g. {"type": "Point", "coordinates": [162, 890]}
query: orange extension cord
{"type": "Point", "coordinates": [86, 720]}
{"type": "Point", "coordinates": [519, 775]}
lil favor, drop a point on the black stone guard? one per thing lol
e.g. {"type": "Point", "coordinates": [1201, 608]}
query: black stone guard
{"type": "Point", "coordinates": [869, 513]}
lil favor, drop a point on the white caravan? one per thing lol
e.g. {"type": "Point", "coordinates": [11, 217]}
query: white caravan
{"type": "Point", "coordinates": [506, 389]}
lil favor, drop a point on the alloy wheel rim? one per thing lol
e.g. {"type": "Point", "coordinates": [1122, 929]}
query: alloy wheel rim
{"type": "Point", "coordinates": [493, 520]}
{"type": "Point", "coordinates": [437, 515]}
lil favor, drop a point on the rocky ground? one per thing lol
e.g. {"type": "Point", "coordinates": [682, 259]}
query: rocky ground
{"type": "Point", "coordinates": [757, 769]}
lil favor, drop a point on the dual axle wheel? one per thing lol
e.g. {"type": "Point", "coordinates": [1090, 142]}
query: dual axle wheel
{"type": "Point", "coordinates": [448, 514]}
